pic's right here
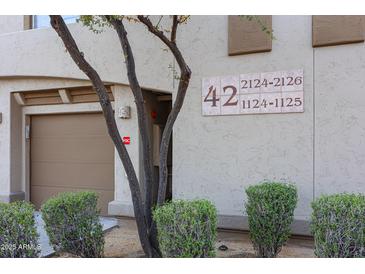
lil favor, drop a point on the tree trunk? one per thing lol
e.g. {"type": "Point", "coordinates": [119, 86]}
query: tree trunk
{"type": "Point", "coordinates": [143, 127]}
{"type": "Point", "coordinates": [60, 27]}
{"type": "Point", "coordinates": [185, 75]}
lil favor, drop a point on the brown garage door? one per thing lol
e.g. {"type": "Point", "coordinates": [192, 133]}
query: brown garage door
{"type": "Point", "coordinates": [71, 152]}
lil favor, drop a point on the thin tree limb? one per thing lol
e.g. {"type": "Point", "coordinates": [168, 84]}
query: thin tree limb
{"type": "Point", "coordinates": [175, 22]}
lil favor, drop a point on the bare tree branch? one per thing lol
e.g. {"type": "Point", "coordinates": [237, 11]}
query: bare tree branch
{"type": "Point", "coordinates": [159, 21]}
{"type": "Point", "coordinates": [174, 29]}
{"type": "Point", "coordinates": [185, 75]}
{"type": "Point", "coordinates": [141, 113]}
{"type": "Point", "coordinates": [60, 27]}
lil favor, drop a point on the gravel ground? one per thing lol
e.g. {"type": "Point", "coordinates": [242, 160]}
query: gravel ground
{"type": "Point", "coordinates": [122, 242]}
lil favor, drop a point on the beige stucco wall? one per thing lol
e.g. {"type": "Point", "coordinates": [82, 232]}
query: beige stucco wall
{"type": "Point", "coordinates": [340, 119]}
{"type": "Point", "coordinates": [221, 155]}
{"type": "Point", "coordinates": [122, 205]}
{"type": "Point", "coordinates": [11, 23]}
{"type": "Point", "coordinates": [320, 150]}
{"type": "Point", "coordinates": [40, 52]}
{"type": "Point", "coordinates": [4, 146]}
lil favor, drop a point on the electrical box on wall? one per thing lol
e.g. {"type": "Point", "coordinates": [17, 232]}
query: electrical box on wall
{"type": "Point", "coordinates": [27, 132]}
{"type": "Point", "coordinates": [124, 112]}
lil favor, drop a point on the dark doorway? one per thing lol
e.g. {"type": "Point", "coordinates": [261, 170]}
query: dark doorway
{"type": "Point", "coordinates": [158, 107]}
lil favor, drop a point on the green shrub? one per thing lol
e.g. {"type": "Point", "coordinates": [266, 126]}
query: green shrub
{"type": "Point", "coordinates": [270, 209]}
{"type": "Point", "coordinates": [186, 229]}
{"type": "Point", "coordinates": [18, 233]}
{"type": "Point", "coordinates": [72, 224]}
{"type": "Point", "coordinates": [338, 226]}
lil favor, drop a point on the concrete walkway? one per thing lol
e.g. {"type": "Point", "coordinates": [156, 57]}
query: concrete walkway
{"type": "Point", "coordinates": [46, 249]}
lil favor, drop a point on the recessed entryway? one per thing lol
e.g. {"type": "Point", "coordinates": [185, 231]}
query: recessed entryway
{"type": "Point", "coordinates": [158, 106]}
{"type": "Point", "coordinates": [71, 152]}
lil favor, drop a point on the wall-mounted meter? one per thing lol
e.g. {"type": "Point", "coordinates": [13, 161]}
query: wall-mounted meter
{"type": "Point", "coordinates": [124, 112]}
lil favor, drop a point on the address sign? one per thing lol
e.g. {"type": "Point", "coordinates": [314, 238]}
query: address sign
{"type": "Point", "coordinates": [267, 92]}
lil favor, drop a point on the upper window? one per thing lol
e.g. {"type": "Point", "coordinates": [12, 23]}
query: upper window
{"type": "Point", "coordinates": [42, 21]}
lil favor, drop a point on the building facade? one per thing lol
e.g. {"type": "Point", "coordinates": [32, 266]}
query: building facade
{"type": "Point", "coordinates": [53, 139]}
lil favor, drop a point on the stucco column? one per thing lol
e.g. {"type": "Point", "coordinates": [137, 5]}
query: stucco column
{"type": "Point", "coordinates": [122, 204]}
{"type": "Point", "coordinates": [5, 128]}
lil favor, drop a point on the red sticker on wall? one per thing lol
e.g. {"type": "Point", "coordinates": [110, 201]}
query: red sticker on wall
{"type": "Point", "coordinates": [126, 140]}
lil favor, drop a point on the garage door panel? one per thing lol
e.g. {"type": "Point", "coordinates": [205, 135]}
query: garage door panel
{"type": "Point", "coordinates": [95, 176]}
{"type": "Point", "coordinates": [42, 194]}
{"type": "Point", "coordinates": [68, 125]}
{"type": "Point", "coordinates": [71, 152]}
{"type": "Point", "coordinates": [89, 149]}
